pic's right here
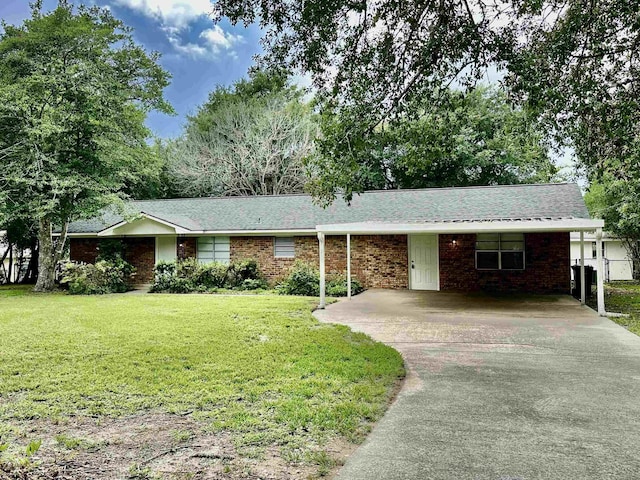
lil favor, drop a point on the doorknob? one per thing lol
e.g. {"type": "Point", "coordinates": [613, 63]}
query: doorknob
{"type": "Point", "coordinates": [412, 264]}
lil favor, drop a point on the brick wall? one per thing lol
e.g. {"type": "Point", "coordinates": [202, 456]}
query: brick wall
{"type": "Point", "coordinates": [139, 252]}
{"type": "Point", "coordinates": [83, 249]}
{"type": "Point", "coordinates": [547, 267]}
{"type": "Point", "coordinates": [378, 261]}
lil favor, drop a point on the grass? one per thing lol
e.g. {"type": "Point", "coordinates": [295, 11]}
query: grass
{"type": "Point", "coordinates": [623, 297]}
{"type": "Point", "coordinates": [260, 368]}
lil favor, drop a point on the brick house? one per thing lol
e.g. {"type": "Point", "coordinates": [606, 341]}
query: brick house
{"type": "Point", "coordinates": [499, 238]}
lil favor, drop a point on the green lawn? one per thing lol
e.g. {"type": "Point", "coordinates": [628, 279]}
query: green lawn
{"type": "Point", "coordinates": [624, 297]}
{"type": "Point", "coordinates": [260, 369]}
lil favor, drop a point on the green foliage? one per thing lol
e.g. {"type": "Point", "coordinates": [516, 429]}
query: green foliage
{"type": "Point", "coordinates": [477, 138]}
{"type": "Point", "coordinates": [260, 369]}
{"type": "Point", "coordinates": [337, 286]}
{"type": "Point", "coordinates": [573, 64]}
{"type": "Point", "coordinates": [304, 279]}
{"type": "Point", "coordinates": [33, 447]}
{"type": "Point", "coordinates": [74, 93]}
{"type": "Point", "coordinates": [618, 203]}
{"type": "Point", "coordinates": [105, 276]}
{"type": "Point", "coordinates": [189, 275]}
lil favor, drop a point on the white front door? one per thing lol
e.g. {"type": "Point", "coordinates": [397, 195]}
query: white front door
{"type": "Point", "coordinates": [423, 262]}
{"type": "Point", "coordinates": [166, 249]}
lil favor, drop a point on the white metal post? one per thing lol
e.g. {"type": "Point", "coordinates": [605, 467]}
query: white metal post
{"type": "Point", "coordinates": [349, 266]}
{"type": "Point", "coordinates": [582, 276]}
{"type": "Point", "coordinates": [322, 272]}
{"type": "Point", "coordinates": [601, 307]}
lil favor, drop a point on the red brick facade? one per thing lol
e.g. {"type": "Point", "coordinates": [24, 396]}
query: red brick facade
{"type": "Point", "coordinates": [139, 252]}
{"type": "Point", "coordinates": [546, 270]}
{"type": "Point", "coordinates": [378, 261]}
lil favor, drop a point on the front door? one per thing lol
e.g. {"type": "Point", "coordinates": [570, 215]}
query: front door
{"type": "Point", "coordinates": [423, 262]}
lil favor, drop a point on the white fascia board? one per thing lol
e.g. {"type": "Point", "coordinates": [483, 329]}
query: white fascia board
{"type": "Point", "coordinates": [569, 225]}
{"type": "Point", "coordinates": [109, 232]}
{"type": "Point", "coordinates": [200, 233]}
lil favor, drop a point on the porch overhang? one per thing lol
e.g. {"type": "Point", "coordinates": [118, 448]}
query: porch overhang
{"type": "Point", "coordinates": [534, 225]}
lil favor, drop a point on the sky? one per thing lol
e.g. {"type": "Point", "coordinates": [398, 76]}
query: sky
{"type": "Point", "coordinates": [198, 54]}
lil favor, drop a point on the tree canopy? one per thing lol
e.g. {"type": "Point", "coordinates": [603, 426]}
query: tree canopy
{"type": "Point", "coordinates": [74, 91]}
{"type": "Point", "coordinates": [477, 138]}
{"type": "Point", "coordinates": [249, 139]}
{"type": "Point", "coordinates": [572, 62]}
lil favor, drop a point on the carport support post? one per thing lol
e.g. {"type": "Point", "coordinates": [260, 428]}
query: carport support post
{"type": "Point", "coordinates": [601, 308]}
{"type": "Point", "coordinates": [349, 266]}
{"type": "Point", "coordinates": [322, 273]}
{"type": "Point", "coordinates": [583, 287]}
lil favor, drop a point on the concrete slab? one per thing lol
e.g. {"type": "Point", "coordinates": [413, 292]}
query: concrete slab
{"type": "Point", "coordinates": [500, 388]}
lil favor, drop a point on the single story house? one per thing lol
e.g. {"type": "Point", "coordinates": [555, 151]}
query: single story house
{"type": "Point", "coordinates": [497, 238]}
{"type": "Point", "coordinates": [617, 264]}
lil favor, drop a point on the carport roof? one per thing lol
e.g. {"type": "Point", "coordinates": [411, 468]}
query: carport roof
{"type": "Point", "coordinates": [540, 203]}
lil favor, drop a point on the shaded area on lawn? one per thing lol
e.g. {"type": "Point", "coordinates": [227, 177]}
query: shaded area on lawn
{"type": "Point", "coordinates": [261, 369]}
{"type": "Point", "coordinates": [622, 297]}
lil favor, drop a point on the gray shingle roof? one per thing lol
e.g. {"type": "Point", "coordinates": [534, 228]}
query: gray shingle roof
{"type": "Point", "coordinates": [292, 212]}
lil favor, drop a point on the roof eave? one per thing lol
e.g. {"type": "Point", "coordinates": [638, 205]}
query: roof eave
{"type": "Point", "coordinates": [556, 225]}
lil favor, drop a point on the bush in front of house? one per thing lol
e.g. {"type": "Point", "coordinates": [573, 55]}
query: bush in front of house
{"type": "Point", "coordinates": [304, 279]}
{"type": "Point", "coordinates": [189, 275]}
{"type": "Point", "coordinates": [105, 276]}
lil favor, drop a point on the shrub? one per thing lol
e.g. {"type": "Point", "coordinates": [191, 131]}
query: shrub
{"type": "Point", "coordinates": [304, 279]}
{"type": "Point", "coordinates": [191, 276]}
{"type": "Point", "coordinates": [254, 284]}
{"type": "Point", "coordinates": [211, 275]}
{"type": "Point", "coordinates": [105, 276]}
{"type": "Point", "coordinates": [337, 286]}
{"type": "Point", "coordinates": [240, 271]}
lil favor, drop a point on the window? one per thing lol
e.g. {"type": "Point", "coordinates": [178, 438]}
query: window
{"type": "Point", "coordinates": [500, 251]}
{"type": "Point", "coordinates": [213, 249]}
{"type": "Point", "coordinates": [284, 247]}
{"type": "Point", "coordinates": [594, 250]}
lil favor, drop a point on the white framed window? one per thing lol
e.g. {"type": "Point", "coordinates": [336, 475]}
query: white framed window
{"type": "Point", "coordinates": [594, 250]}
{"type": "Point", "coordinates": [500, 251]}
{"type": "Point", "coordinates": [284, 247]}
{"type": "Point", "coordinates": [213, 249]}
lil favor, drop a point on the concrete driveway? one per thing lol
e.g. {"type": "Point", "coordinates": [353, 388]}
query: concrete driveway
{"type": "Point", "coordinates": [499, 388]}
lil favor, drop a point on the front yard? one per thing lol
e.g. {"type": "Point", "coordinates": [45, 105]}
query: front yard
{"type": "Point", "coordinates": [183, 386]}
{"type": "Point", "coordinates": [623, 297]}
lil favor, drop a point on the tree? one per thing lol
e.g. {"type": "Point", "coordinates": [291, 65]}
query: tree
{"type": "Point", "coordinates": [618, 203]}
{"type": "Point", "coordinates": [477, 138]}
{"type": "Point", "coordinates": [74, 91]}
{"type": "Point", "coordinates": [573, 62]}
{"type": "Point", "coordinates": [249, 140]}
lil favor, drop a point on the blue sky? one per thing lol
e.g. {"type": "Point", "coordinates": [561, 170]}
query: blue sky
{"type": "Point", "coordinates": [198, 54]}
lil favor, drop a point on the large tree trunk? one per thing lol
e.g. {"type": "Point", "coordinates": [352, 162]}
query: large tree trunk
{"type": "Point", "coordinates": [49, 254]}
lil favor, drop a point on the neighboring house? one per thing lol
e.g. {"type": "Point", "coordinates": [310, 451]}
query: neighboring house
{"type": "Point", "coordinates": [11, 262]}
{"type": "Point", "coordinates": [500, 238]}
{"type": "Point", "coordinates": [617, 264]}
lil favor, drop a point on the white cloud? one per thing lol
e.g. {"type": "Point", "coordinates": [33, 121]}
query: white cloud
{"type": "Point", "coordinates": [171, 13]}
{"type": "Point", "coordinates": [175, 17]}
{"type": "Point", "coordinates": [214, 41]}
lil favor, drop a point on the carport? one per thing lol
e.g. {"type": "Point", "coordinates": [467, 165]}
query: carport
{"type": "Point", "coordinates": [476, 229]}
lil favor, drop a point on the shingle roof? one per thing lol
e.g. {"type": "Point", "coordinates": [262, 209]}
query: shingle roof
{"type": "Point", "coordinates": [293, 212]}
